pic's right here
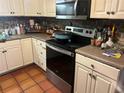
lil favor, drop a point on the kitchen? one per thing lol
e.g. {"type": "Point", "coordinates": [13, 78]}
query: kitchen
{"type": "Point", "coordinates": [61, 46]}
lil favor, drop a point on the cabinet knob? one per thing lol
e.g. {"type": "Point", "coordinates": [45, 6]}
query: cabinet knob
{"type": "Point", "coordinates": [13, 12]}
{"type": "Point", "coordinates": [112, 12]}
{"type": "Point", "coordinates": [90, 74]}
{"type": "Point", "coordinates": [10, 12]}
{"type": "Point", "coordinates": [108, 13]}
{"type": "Point", "coordinates": [94, 77]}
{"type": "Point", "coordinates": [92, 66]}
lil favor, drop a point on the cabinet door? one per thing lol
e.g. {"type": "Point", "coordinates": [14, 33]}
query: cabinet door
{"type": "Point", "coordinates": [102, 84]}
{"type": "Point", "coordinates": [82, 79]}
{"type": "Point", "coordinates": [14, 57]}
{"type": "Point", "coordinates": [3, 66]}
{"type": "Point", "coordinates": [27, 50]}
{"type": "Point", "coordinates": [35, 52]}
{"type": "Point", "coordinates": [31, 7]}
{"type": "Point", "coordinates": [4, 7]}
{"type": "Point", "coordinates": [50, 8]}
{"type": "Point", "coordinates": [17, 7]}
{"type": "Point", "coordinates": [100, 8]}
{"type": "Point", "coordinates": [41, 9]}
{"type": "Point", "coordinates": [117, 9]}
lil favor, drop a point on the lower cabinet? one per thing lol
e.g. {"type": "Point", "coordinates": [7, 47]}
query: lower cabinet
{"type": "Point", "coordinates": [10, 55]}
{"type": "Point", "coordinates": [27, 53]}
{"type": "Point", "coordinates": [89, 78]}
{"type": "Point", "coordinates": [88, 81]}
{"type": "Point", "coordinates": [82, 79]}
{"type": "Point", "coordinates": [35, 51]}
{"type": "Point", "coordinates": [39, 50]}
{"type": "Point", "coordinates": [102, 84]}
{"type": "Point", "coordinates": [3, 65]}
{"type": "Point", "coordinates": [14, 57]}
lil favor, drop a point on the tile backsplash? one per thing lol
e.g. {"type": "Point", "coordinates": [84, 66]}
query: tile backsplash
{"type": "Point", "coordinates": [46, 22]}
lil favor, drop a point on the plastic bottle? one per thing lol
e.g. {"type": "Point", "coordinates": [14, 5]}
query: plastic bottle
{"type": "Point", "coordinates": [18, 29]}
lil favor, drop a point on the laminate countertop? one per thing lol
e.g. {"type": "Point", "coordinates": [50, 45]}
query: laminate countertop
{"type": "Point", "coordinates": [96, 54]}
{"type": "Point", "coordinates": [39, 36]}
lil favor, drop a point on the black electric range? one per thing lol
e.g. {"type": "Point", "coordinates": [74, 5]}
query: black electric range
{"type": "Point", "coordinates": [61, 57]}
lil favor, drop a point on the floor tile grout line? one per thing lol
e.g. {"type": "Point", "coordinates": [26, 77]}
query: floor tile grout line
{"type": "Point", "coordinates": [31, 77]}
{"type": "Point", "coordinates": [18, 84]}
{"type": "Point", "coordinates": [28, 87]}
{"type": "Point", "coordinates": [35, 81]}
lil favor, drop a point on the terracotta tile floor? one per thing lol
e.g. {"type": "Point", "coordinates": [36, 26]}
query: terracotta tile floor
{"type": "Point", "coordinates": [30, 79]}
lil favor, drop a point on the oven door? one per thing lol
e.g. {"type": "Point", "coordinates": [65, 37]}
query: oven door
{"type": "Point", "coordinates": [61, 62]}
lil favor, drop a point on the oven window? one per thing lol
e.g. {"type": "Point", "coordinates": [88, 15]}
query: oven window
{"type": "Point", "coordinates": [62, 65]}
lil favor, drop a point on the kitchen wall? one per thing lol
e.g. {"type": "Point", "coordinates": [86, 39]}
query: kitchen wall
{"type": "Point", "coordinates": [46, 22]}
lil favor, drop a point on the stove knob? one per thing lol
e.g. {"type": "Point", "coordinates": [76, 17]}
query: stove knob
{"type": "Point", "coordinates": [87, 31]}
{"type": "Point", "coordinates": [90, 32]}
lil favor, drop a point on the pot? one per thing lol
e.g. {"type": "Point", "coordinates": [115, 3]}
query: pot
{"type": "Point", "coordinates": [62, 36]}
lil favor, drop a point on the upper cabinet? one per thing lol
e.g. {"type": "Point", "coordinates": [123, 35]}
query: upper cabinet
{"type": "Point", "coordinates": [111, 9]}
{"type": "Point", "coordinates": [11, 8]}
{"type": "Point", "coordinates": [50, 8]}
{"type": "Point", "coordinates": [17, 7]}
{"type": "Point", "coordinates": [4, 7]}
{"type": "Point", "coordinates": [31, 7]}
{"type": "Point", "coordinates": [28, 8]}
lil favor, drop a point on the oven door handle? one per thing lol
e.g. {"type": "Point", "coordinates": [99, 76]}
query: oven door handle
{"type": "Point", "coordinates": [63, 51]}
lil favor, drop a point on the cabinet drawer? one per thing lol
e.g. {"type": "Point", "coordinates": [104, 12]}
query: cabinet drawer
{"type": "Point", "coordinates": [12, 43]}
{"type": "Point", "coordinates": [42, 52]}
{"type": "Point", "coordinates": [41, 43]}
{"type": "Point", "coordinates": [98, 66]}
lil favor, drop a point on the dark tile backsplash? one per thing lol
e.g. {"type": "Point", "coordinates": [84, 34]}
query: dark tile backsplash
{"type": "Point", "coordinates": [46, 22]}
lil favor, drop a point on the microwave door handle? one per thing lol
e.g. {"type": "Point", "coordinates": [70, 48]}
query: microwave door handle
{"type": "Point", "coordinates": [63, 51]}
{"type": "Point", "coordinates": [75, 7]}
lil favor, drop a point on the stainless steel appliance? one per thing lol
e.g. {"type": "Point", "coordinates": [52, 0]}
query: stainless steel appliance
{"type": "Point", "coordinates": [72, 9]}
{"type": "Point", "coordinates": [61, 57]}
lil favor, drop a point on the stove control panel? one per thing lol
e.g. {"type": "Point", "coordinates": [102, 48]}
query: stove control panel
{"type": "Point", "coordinates": [86, 32]}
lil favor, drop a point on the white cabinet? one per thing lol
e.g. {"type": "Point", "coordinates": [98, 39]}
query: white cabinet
{"type": "Point", "coordinates": [10, 55]}
{"type": "Point", "coordinates": [39, 51]}
{"type": "Point", "coordinates": [34, 7]}
{"type": "Point", "coordinates": [94, 77]}
{"type": "Point", "coordinates": [3, 66]}
{"type": "Point", "coordinates": [14, 57]}
{"type": "Point", "coordinates": [102, 84]}
{"type": "Point", "coordinates": [35, 51]}
{"type": "Point", "coordinates": [50, 8]}
{"type": "Point", "coordinates": [11, 8]}
{"type": "Point", "coordinates": [4, 7]}
{"type": "Point", "coordinates": [17, 7]}
{"type": "Point", "coordinates": [27, 50]}
{"type": "Point", "coordinates": [31, 7]}
{"type": "Point", "coordinates": [112, 9]}
{"type": "Point", "coordinates": [83, 79]}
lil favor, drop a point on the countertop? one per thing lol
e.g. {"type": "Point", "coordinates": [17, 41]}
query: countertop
{"type": "Point", "coordinates": [96, 54]}
{"type": "Point", "coordinates": [39, 36]}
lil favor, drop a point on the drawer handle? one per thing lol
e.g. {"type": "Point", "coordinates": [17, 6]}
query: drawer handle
{"type": "Point", "coordinates": [4, 51]}
{"type": "Point", "coordinates": [92, 66]}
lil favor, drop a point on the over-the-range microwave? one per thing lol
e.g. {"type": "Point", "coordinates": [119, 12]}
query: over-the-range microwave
{"type": "Point", "coordinates": [72, 9]}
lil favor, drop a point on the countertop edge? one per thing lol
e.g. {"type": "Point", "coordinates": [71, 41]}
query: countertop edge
{"type": "Point", "coordinates": [99, 60]}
